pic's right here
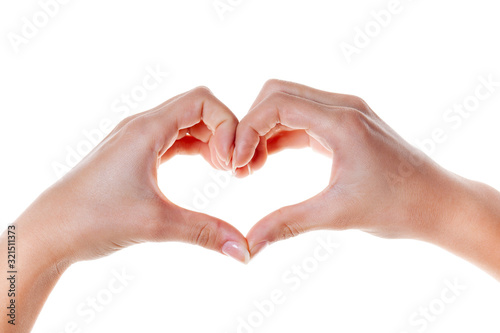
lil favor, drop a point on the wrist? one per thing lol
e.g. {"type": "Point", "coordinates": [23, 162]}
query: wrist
{"type": "Point", "coordinates": [469, 225]}
{"type": "Point", "coordinates": [35, 268]}
{"type": "Point", "coordinates": [41, 242]}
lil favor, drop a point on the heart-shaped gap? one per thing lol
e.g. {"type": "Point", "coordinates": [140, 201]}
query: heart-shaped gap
{"type": "Point", "coordinates": [287, 178]}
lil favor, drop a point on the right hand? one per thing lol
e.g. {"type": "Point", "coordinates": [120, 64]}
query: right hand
{"type": "Point", "coordinates": [379, 183]}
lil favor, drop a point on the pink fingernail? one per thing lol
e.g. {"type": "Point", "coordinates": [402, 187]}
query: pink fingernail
{"type": "Point", "coordinates": [236, 251]}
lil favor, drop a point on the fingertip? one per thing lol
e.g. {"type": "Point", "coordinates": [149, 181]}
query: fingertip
{"type": "Point", "coordinates": [244, 149]}
{"type": "Point", "coordinates": [238, 160]}
{"type": "Point", "coordinates": [222, 162]}
{"type": "Point", "coordinates": [230, 156]}
{"type": "Point", "coordinates": [236, 250]}
{"type": "Point", "coordinates": [224, 145]}
{"type": "Point", "coordinates": [257, 248]}
{"type": "Point", "coordinates": [260, 236]}
{"type": "Point", "coordinates": [241, 172]}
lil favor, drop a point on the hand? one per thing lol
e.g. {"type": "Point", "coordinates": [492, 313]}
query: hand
{"type": "Point", "coordinates": [112, 200]}
{"type": "Point", "coordinates": [365, 152]}
{"type": "Point", "coordinates": [379, 183]}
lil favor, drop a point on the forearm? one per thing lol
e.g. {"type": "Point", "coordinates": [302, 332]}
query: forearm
{"type": "Point", "coordinates": [35, 271]}
{"type": "Point", "coordinates": [471, 228]}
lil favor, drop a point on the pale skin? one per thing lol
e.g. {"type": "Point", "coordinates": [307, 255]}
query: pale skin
{"type": "Point", "coordinates": [379, 184]}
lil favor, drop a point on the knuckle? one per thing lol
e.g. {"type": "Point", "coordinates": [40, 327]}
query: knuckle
{"type": "Point", "coordinates": [289, 230]}
{"type": "Point", "coordinates": [202, 91]}
{"type": "Point", "coordinates": [125, 121]}
{"type": "Point", "coordinates": [276, 98]}
{"type": "Point", "coordinates": [272, 84]}
{"type": "Point", "coordinates": [354, 122]}
{"type": "Point", "coordinates": [357, 103]}
{"type": "Point", "coordinates": [291, 225]}
{"type": "Point", "coordinates": [279, 102]}
{"type": "Point", "coordinates": [205, 235]}
{"type": "Point", "coordinates": [139, 129]}
{"type": "Point", "coordinates": [230, 119]}
{"type": "Point", "coordinates": [194, 97]}
{"type": "Point", "coordinates": [356, 119]}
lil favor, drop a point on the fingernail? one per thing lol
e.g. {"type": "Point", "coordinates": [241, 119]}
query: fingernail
{"type": "Point", "coordinates": [234, 153]}
{"type": "Point", "coordinates": [259, 247]}
{"type": "Point", "coordinates": [236, 251]}
{"type": "Point", "coordinates": [219, 158]}
{"type": "Point", "coordinates": [230, 156]}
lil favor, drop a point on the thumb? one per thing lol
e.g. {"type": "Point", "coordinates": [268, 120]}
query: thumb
{"type": "Point", "coordinates": [316, 213]}
{"type": "Point", "coordinates": [204, 230]}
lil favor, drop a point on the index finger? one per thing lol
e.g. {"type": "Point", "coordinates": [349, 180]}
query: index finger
{"type": "Point", "coordinates": [188, 110]}
{"type": "Point", "coordinates": [316, 95]}
{"type": "Point", "coordinates": [279, 108]}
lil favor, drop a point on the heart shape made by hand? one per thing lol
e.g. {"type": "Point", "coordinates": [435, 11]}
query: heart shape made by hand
{"type": "Point", "coordinates": [369, 162]}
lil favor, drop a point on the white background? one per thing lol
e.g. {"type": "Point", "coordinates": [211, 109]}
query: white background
{"type": "Point", "coordinates": [65, 79]}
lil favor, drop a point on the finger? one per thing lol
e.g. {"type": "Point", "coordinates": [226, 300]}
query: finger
{"type": "Point", "coordinates": [182, 133]}
{"type": "Point", "coordinates": [316, 213]}
{"type": "Point", "coordinates": [201, 132]}
{"type": "Point", "coordinates": [274, 144]}
{"type": "Point", "coordinates": [188, 145]}
{"type": "Point", "coordinates": [216, 159]}
{"type": "Point", "coordinates": [283, 140]}
{"type": "Point", "coordinates": [278, 142]}
{"type": "Point", "coordinates": [257, 162]}
{"type": "Point", "coordinates": [221, 121]}
{"type": "Point", "coordinates": [126, 120]}
{"type": "Point", "coordinates": [280, 108]}
{"type": "Point", "coordinates": [316, 95]}
{"type": "Point", "coordinates": [295, 140]}
{"type": "Point", "coordinates": [188, 110]}
{"type": "Point", "coordinates": [178, 224]}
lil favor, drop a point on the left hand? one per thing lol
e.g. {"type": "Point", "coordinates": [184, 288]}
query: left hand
{"type": "Point", "coordinates": [112, 200]}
